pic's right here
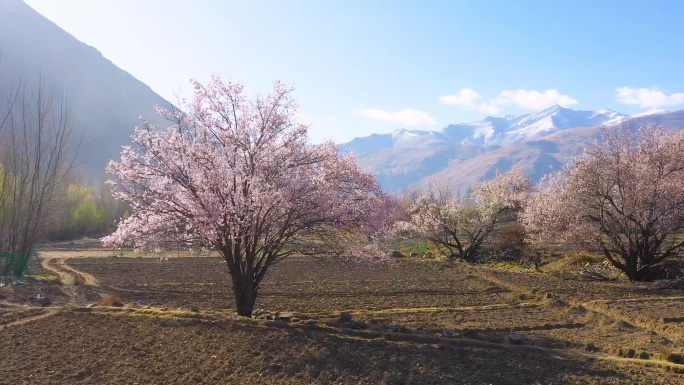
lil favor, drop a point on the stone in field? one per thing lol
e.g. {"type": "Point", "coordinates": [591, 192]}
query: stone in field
{"type": "Point", "coordinates": [394, 327]}
{"type": "Point", "coordinates": [471, 333]}
{"type": "Point", "coordinates": [515, 339]}
{"type": "Point", "coordinates": [396, 254]}
{"type": "Point", "coordinates": [42, 300]}
{"type": "Point", "coordinates": [346, 317]}
{"type": "Point", "coordinates": [541, 342]}
{"type": "Point", "coordinates": [287, 316]}
{"type": "Point", "coordinates": [448, 333]}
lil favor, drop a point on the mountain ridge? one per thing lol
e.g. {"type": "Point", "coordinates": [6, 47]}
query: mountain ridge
{"type": "Point", "coordinates": [466, 153]}
{"type": "Point", "coordinates": [491, 131]}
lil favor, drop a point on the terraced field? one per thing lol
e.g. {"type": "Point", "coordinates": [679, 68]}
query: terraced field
{"type": "Point", "coordinates": [412, 322]}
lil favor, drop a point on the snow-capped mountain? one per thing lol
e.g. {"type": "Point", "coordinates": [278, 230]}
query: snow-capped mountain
{"type": "Point", "coordinates": [463, 154]}
{"type": "Point", "coordinates": [491, 131]}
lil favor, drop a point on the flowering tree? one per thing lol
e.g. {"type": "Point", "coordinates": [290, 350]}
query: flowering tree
{"type": "Point", "coordinates": [624, 196]}
{"type": "Point", "coordinates": [240, 177]}
{"type": "Point", "coordinates": [461, 225]}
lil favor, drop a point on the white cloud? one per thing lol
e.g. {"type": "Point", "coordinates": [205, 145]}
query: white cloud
{"type": "Point", "coordinates": [527, 99]}
{"type": "Point", "coordinates": [329, 118]}
{"type": "Point", "coordinates": [489, 107]}
{"type": "Point", "coordinates": [648, 97]}
{"type": "Point", "coordinates": [534, 100]}
{"type": "Point", "coordinates": [466, 98]}
{"type": "Point", "coordinates": [405, 117]}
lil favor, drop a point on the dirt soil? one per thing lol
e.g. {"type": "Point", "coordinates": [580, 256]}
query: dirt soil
{"type": "Point", "coordinates": [176, 325]}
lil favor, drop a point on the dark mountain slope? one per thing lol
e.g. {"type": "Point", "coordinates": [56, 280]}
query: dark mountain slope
{"type": "Point", "coordinates": [105, 100]}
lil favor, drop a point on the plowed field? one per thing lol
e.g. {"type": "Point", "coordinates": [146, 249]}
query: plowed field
{"type": "Point", "coordinates": [176, 325]}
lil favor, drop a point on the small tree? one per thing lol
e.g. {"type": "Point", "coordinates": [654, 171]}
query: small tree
{"type": "Point", "coordinates": [240, 177]}
{"type": "Point", "coordinates": [460, 225]}
{"type": "Point", "coordinates": [623, 196]}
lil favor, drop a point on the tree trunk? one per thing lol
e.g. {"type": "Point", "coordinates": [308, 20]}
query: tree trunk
{"type": "Point", "coordinates": [635, 274]}
{"type": "Point", "coordinates": [245, 294]}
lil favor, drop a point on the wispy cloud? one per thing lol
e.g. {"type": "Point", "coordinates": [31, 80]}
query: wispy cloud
{"type": "Point", "coordinates": [465, 97]}
{"type": "Point", "coordinates": [405, 117]}
{"type": "Point", "coordinates": [527, 99]}
{"type": "Point", "coordinates": [534, 100]}
{"type": "Point", "coordinates": [648, 97]}
{"type": "Point", "coordinates": [468, 98]}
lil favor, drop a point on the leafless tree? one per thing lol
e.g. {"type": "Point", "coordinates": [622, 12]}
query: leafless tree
{"type": "Point", "coordinates": [35, 157]}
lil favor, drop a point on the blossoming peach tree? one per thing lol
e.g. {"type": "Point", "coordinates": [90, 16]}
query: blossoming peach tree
{"type": "Point", "coordinates": [240, 176]}
{"type": "Point", "coordinates": [462, 225]}
{"type": "Point", "coordinates": [624, 197]}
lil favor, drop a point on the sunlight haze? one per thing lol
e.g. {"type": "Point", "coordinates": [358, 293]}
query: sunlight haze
{"type": "Point", "coordinates": [373, 67]}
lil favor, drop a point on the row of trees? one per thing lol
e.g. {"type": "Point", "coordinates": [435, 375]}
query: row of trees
{"type": "Point", "coordinates": [240, 177]}
{"type": "Point", "coordinates": [623, 197]}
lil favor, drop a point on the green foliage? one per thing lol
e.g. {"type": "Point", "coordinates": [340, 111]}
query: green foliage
{"type": "Point", "coordinates": [13, 265]}
{"type": "Point", "coordinates": [85, 214]}
{"type": "Point", "coordinates": [86, 211]}
{"type": "Point", "coordinates": [414, 246]}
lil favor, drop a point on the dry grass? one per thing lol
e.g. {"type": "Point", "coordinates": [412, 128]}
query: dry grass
{"type": "Point", "coordinates": [110, 300]}
{"type": "Point", "coordinates": [669, 355]}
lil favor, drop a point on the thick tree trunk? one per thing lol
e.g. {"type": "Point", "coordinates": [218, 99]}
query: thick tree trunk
{"type": "Point", "coordinates": [638, 275]}
{"type": "Point", "coordinates": [634, 273]}
{"type": "Point", "coordinates": [245, 294]}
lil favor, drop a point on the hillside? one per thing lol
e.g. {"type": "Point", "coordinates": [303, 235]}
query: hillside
{"type": "Point", "coordinates": [105, 100]}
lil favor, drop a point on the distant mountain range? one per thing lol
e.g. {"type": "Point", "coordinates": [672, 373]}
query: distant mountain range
{"type": "Point", "coordinates": [463, 154]}
{"type": "Point", "coordinates": [105, 100]}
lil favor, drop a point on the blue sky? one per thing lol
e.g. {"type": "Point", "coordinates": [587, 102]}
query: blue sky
{"type": "Point", "coordinates": [362, 67]}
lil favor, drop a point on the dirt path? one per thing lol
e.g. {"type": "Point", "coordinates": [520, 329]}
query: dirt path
{"type": "Point", "coordinates": [73, 284]}
{"type": "Point", "coordinates": [49, 313]}
{"type": "Point", "coordinates": [72, 279]}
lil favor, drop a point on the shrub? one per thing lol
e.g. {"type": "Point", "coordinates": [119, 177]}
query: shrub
{"type": "Point", "coordinates": [110, 300]}
{"type": "Point", "coordinates": [12, 265]}
{"type": "Point", "coordinates": [667, 354]}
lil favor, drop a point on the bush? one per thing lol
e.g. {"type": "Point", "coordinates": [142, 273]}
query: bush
{"type": "Point", "coordinates": [12, 265]}
{"type": "Point", "coordinates": [110, 300]}
{"type": "Point", "coordinates": [507, 243]}
{"type": "Point", "coordinates": [669, 269]}
{"type": "Point", "coordinates": [667, 354]}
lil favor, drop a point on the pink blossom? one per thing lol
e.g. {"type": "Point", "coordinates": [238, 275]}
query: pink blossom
{"type": "Point", "coordinates": [240, 176]}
